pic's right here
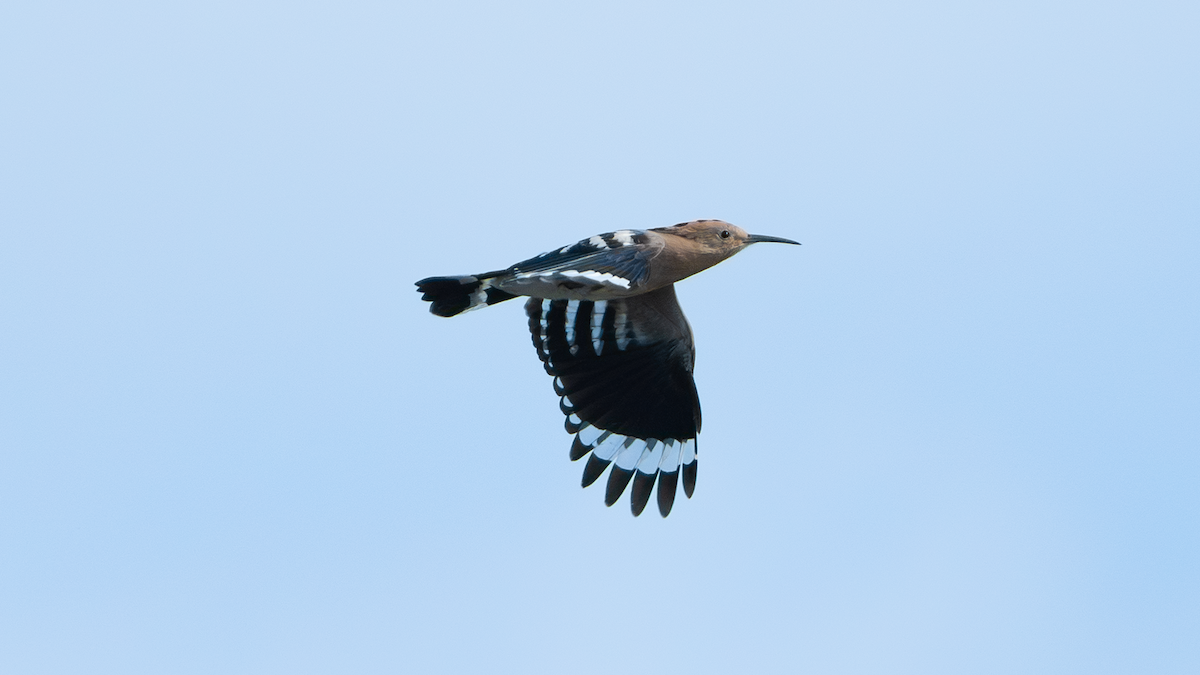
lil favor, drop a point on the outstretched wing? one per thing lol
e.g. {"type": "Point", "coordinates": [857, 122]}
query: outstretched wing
{"type": "Point", "coordinates": [627, 391]}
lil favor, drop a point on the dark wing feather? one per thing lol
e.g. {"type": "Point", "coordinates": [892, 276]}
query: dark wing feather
{"type": "Point", "coordinates": [633, 398]}
{"type": "Point", "coordinates": [629, 388]}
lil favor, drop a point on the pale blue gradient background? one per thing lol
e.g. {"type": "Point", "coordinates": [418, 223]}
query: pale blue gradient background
{"type": "Point", "coordinates": [955, 432]}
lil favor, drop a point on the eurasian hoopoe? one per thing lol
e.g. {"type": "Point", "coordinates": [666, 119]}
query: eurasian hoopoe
{"type": "Point", "coordinates": [608, 328]}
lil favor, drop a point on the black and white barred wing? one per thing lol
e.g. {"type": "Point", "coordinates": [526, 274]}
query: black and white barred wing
{"type": "Point", "coordinates": [607, 265]}
{"type": "Point", "coordinates": [612, 264]}
{"type": "Point", "coordinates": [630, 401]}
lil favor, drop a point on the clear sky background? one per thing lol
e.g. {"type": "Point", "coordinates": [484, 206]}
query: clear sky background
{"type": "Point", "coordinates": [956, 431]}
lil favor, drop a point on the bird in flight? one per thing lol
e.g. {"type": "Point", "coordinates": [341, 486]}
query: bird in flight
{"type": "Point", "coordinates": [608, 327]}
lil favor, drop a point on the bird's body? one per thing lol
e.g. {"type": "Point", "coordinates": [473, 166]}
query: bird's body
{"type": "Point", "coordinates": [607, 325]}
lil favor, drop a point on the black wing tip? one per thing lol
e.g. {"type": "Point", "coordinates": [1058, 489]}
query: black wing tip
{"type": "Point", "coordinates": [579, 449]}
{"type": "Point", "coordinates": [643, 485]}
{"type": "Point", "coordinates": [564, 405]}
{"type": "Point", "coordinates": [667, 483]}
{"type": "Point", "coordinates": [618, 480]}
{"type": "Point", "coordinates": [689, 478]}
{"type": "Point", "coordinates": [592, 470]}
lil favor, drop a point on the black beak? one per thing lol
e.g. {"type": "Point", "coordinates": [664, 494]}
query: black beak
{"type": "Point", "coordinates": [756, 238]}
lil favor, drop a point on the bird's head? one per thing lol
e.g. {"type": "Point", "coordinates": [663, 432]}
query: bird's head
{"type": "Point", "coordinates": [717, 238]}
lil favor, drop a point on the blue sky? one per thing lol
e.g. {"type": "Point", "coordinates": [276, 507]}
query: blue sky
{"type": "Point", "coordinates": [954, 432]}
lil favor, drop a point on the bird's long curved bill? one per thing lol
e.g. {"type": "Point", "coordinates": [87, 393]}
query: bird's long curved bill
{"type": "Point", "coordinates": [757, 238]}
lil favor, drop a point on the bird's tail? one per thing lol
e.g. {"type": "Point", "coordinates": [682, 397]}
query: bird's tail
{"type": "Point", "coordinates": [454, 295]}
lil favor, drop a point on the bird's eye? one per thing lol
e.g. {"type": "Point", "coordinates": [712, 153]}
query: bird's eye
{"type": "Point", "coordinates": [724, 234]}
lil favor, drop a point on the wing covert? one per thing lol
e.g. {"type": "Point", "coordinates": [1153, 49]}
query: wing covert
{"type": "Point", "coordinates": [617, 261]}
